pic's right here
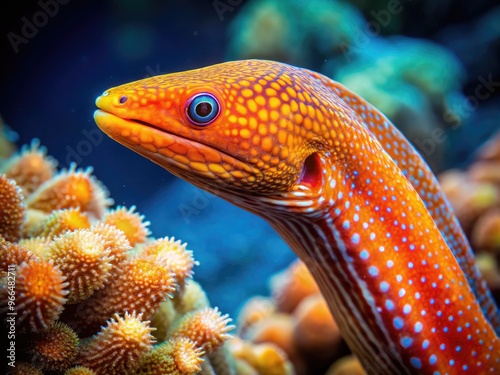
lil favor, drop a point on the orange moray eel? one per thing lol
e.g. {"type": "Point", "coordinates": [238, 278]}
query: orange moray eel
{"type": "Point", "coordinates": [342, 186]}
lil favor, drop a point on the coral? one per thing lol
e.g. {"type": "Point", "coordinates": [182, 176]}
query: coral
{"type": "Point", "coordinates": [207, 328]}
{"type": "Point", "coordinates": [12, 254]}
{"type": "Point", "coordinates": [177, 356]}
{"type": "Point", "coordinates": [244, 368]}
{"type": "Point", "coordinates": [88, 280]}
{"type": "Point", "coordinates": [36, 245]}
{"type": "Point", "coordinates": [346, 366]}
{"type": "Point", "coordinates": [80, 370]}
{"type": "Point", "coordinates": [130, 222]}
{"type": "Point", "coordinates": [253, 359]}
{"type": "Point", "coordinates": [162, 319]}
{"type": "Point", "coordinates": [220, 361]}
{"type": "Point", "coordinates": [490, 150]}
{"type": "Point", "coordinates": [486, 232]}
{"type": "Point", "coordinates": [70, 189]}
{"type": "Point", "coordinates": [315, 332]}
{"type": "Point", "coordinates": [408, 70]}
{"type": "Point", "coordinates": [474, 194]}
{"type": "Point", "coordinates": [293, 31]}
{"type": "Point", "coordinates": [30, 167]}
{"type": "Point", "coordinates": [22, 368]}
{"type": "Point", "coordinates": [58, 222]}
{"type": "Point", "coordinates": [141, 287]}
{"type": "Point", "coordinates": [415, 83]}
{"type": "Point", "coordinates": [118, 347]}
{"type": "Point", "coordinates": [296, 322]}
{"type": "Point", "coordinates": [83, 260]}
{"type": "Point", "coordinates": [193, 297]}
{"type": "Point", "coordinates": [11, 209]}
{"type": "Point", "coordinates": [172, 254]}
{"type": "Point", "coordinates": [32, 221]}
{"type": "Point", "coordinates": [55, 348]}
{"type": "Point", "coordinates": [292, 285]}
{"type": "Point", "coordinates": [489, 267]}
{"type": "Point", "coordinates": [270, 360]}
{"type": "Point", "coordinates": [277, 329]}
{"type": "Point", "coordinates": [470, 199]}
{"type": "Point", "coordinates": [40, 294]}
{"type": "Point", "coordinates": [242, 352]}
{"type": "Point", "coordinates": [485, 171]}
{"type": "Point", "coordinates": [253, 311]}
{"type": "Point", "coordinates": [116, 243]}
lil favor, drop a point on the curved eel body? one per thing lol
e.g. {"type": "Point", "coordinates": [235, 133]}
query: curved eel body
{"type": "Point", "coordinates": [342, 186]}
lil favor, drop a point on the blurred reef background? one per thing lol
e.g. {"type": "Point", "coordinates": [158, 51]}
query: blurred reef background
{"type": "Point", "coordinates": [432, 67]}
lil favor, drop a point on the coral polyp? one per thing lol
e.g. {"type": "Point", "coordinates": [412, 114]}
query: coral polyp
{"type": "Point", "coordinates": [80, 370]}
{"type": "Point", "coordinates": [84, 260]}
{"type": "Point", "coordinates": [129, 222]}
{"type": "Point", "coordinates": [253, 311]}
{"type": "Point", "coordinates": [118, 347]}
{"type": "Point", "coordinates": [55, 348]}
{"type": "Point", "coordinates": [11, 209]}
{"type": "Point", "coordinates": [12, 254]}
{"type": "Point", "coordinates": [208, 328]}
{"type": "Point", "coordinates": [177, 356]}
{"type": "Point", "coordinates": [41, 293]}
{"type": "Point", "coordinates": [70, 189]}
{"type": "Point", "coordinates": [36, 245]}
{"type": "Point", "coordinates": [60, 221]}
{"type": "Point", "coordinates": [31, 167]}
{"type": "Point", "coordinates": [174, 255]}
{"type": "Point", "coordinates": [291, 285]}
{"type": "Point", "coordinates": [116, 243]}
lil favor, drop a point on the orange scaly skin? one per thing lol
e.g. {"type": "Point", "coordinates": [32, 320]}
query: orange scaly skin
{"type": "Point", "coordinates": [313, 159]}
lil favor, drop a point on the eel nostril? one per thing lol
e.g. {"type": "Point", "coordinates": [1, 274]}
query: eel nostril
{"type": "Point", "coordinates": [123, 99]}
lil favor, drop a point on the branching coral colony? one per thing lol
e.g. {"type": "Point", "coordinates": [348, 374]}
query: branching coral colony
{"type": "Point", "coordinates": [84, 289]}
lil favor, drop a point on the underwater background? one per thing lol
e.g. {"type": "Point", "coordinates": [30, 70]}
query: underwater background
{"type": "Point", "coordinates": [431, 67]}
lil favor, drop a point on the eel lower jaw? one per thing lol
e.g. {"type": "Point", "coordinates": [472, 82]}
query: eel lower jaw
{"type": "Point", "coordinates": [168, 150]}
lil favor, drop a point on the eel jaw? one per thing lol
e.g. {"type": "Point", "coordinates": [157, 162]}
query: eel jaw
{"type": "Point", "coordinates": [233, 184]}
{"type": "Point", "coordinates": [169, 151]}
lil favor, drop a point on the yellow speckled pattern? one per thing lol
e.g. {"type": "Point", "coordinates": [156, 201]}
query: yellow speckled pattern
{"type": "Point", "coordinates": [346, 191]}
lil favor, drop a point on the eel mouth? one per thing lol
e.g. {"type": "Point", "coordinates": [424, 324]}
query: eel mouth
{"type": "Point", "coordinates": [170, 150]}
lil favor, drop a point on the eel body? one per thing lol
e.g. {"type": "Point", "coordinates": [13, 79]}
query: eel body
{"type": "Point", "coordinates": [342, 186]}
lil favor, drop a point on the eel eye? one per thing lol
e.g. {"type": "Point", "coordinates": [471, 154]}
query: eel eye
{"type": "Point", "coordinates": [202, 109]}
